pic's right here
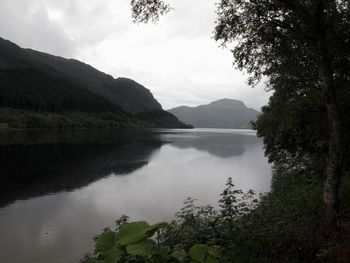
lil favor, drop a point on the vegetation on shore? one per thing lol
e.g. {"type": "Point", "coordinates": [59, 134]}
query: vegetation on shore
{"type": "Point", "coordinates": [285, 225]}
{"type": "Point", "coordinates": [15, 119]}
{"type": "Point", "coordinates": [23, 119]}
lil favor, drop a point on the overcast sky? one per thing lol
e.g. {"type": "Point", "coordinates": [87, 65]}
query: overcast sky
{"type": "Point", "coordinates": [176, 59]}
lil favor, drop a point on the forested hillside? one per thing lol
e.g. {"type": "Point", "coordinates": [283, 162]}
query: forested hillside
{"type": "Point", "coordinates": [127, 93]}
{"type": "Point", "coordinates": [42, 84]}
{"type": "Point", "coordinates": [31, 89]}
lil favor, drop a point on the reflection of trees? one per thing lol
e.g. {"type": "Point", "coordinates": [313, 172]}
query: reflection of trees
{"type": "Point", "coordinates": [41, 168]}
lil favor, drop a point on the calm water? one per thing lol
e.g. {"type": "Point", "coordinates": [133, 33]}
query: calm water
{"type": "Point", "coordinates": [58, 190]}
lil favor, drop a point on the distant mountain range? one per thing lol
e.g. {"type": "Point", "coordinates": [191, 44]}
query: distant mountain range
{"type": "Point", "coordinates": [40, 83]}
{"type": "Point", "coordinates": [225, 113]}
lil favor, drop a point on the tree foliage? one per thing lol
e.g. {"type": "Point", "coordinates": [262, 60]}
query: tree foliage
{"type": "Point", "coordinates": [148, 10]}
{"type": "Point", "coordinates": [285, 38]}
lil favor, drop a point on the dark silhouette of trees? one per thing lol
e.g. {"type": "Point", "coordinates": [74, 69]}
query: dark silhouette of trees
{"type": "Point", "coordinates": [30, 89]}
{"type": "Point", "coordinates": [145, 10]}
{"type": "Point", "coordinates": [302, 49]}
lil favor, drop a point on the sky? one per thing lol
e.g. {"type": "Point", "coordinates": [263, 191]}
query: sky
{"type": "Point", "coordinates": [177, 58]}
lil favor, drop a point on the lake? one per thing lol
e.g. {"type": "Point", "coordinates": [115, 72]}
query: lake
{"type": "Point", "coordinates": [59, 189]}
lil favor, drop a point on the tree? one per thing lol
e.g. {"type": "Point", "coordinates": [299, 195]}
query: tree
{"type": "Point", "coordinates": [300, 43]}
{"type": "Point", "coordinates": [148, 10]}
{"type": "Point", "coordinates": [303, 48]}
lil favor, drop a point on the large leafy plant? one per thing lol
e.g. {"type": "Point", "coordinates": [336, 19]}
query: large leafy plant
{"type": "Point", "coordinates": [139, 242]}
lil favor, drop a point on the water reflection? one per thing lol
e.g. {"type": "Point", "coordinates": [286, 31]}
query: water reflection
{"type": "Point", "coordinates": [217, 142]}
{"type": "Point", "coordinates": [34, 165]}
{"type": "Point", "coordinates": [88, 193]}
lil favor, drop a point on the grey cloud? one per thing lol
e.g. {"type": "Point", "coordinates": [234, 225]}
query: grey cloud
{"type": "Point", "coordinates": [91, 22]}
{"type": "Point", "coordinates": [29, 26]}
{"type": "Point", "coordinates": [191, 18]}
{"type": "Point", "coordinates": [184, 91]}
{"type": "Point", "coordinates": [79, 24]}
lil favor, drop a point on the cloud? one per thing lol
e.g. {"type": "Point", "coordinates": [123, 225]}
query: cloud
{"type": "Point", "coordinates": [190, 18]}
{"type": "Point", "coordinates": [177, 59]}
{"type": "Point", "coordinates": [62, 27]}
{"type": "Point", "coordinates": [28, 24]}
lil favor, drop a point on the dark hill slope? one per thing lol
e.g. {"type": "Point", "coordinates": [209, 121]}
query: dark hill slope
{"type": "Point", "coordinates": [225, 113]}
{"type": "Point", "coordinates": [38, 90]}
{"type": "Point", "coordinates": [127, 93]}
{"type": "Point", "coordinates": [30, 89]}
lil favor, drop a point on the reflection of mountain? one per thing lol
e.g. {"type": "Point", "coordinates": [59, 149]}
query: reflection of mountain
{"type": "Point", "coordinates": [223, 145]}
{"type": "Point", "coordinates": [61, 165]}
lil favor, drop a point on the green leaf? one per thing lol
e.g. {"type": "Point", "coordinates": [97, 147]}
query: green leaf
{"type": "Point", "coordinates": [161, 225]}
{"type": "Point", "coordinates": [113, 256]}
{"type": "Point", "coordinates": [132, 233]}
{"type": "Point", "coordinates": [163, 251]}
{"type": "Point", "coordinates": [211, 259]}
{"type": "Point", "coordinates": [204, 254]}
{"type": "Point", "coordinates": [105, 241]}
{"type": "Point", "coordinates": [152, 229]}
{"type": "Point", "coordinates": [198, 252]}
{"type": "Point", "coordinates": [179, 254]}
{"type": "Point", "coordinates": [214, 251]}
{"type": "Point", "coordinates": [144, 248]}
{"type": "Point", "coordinates": [106, 246]}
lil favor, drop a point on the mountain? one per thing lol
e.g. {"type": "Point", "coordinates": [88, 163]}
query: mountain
{"type": "Point", "coordinates": [38, 82]}
{"type": "Point", "coordinates": [124, 92]}
{"type": "Point", "coordinates": [130, 95]}
{"type": "Point", "coordinates": [225, 113]}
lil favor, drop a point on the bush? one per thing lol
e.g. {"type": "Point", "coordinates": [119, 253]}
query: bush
{"type": "Point", "coordinates": [135, 242]}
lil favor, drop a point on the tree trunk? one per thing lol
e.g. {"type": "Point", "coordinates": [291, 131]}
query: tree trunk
{"type": "Point", "coordinates": [332, 170]}
{"type": "Point", "coordinates": [333, 164]}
